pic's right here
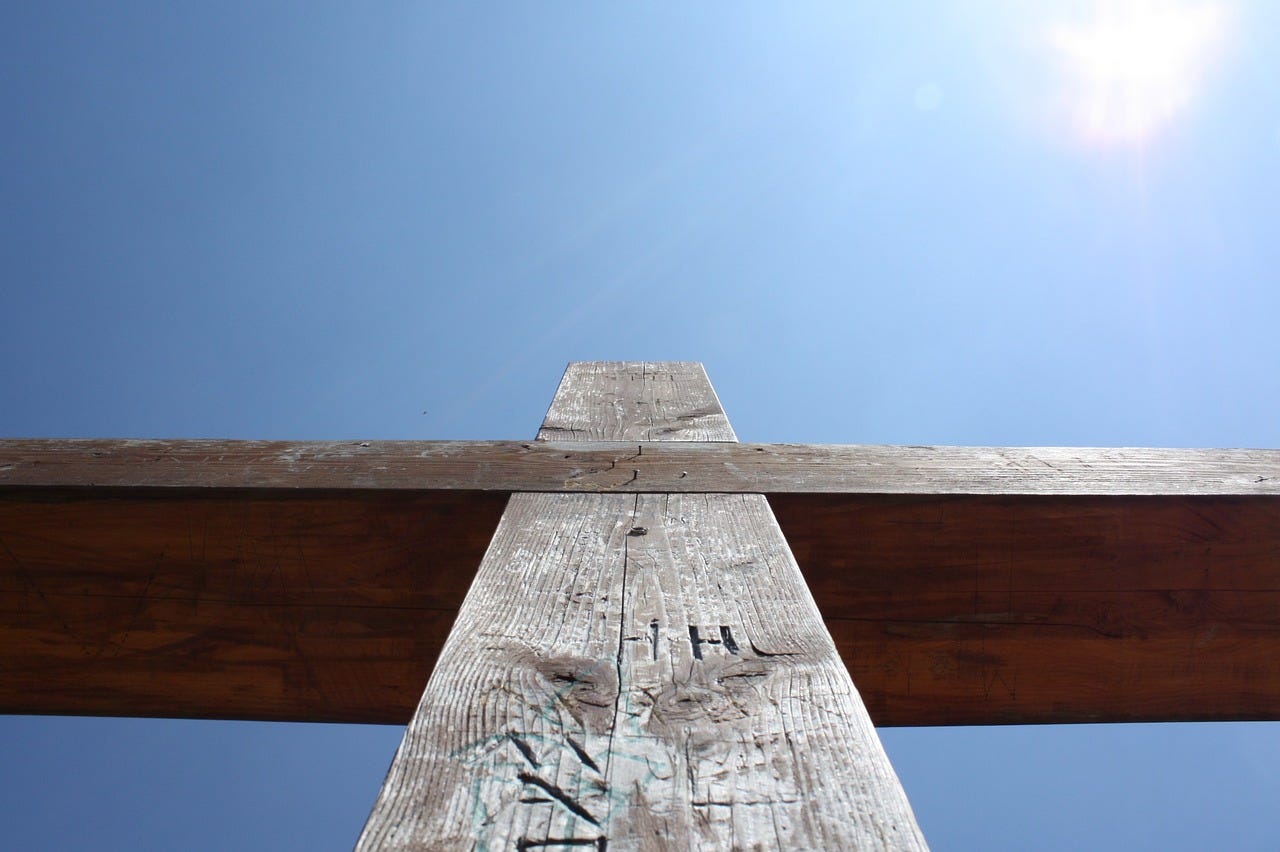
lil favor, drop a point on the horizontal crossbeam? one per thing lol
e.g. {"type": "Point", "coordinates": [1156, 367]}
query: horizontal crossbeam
{"type": "Point", "coordinates": [645, 467]}
{"type": "Point", "coordinates": [318, 581]}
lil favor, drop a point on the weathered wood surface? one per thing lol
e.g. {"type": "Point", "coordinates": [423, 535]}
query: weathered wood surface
{"type": "Point", "coordinates": [631, 466]}
{"type": "Point", "coordinates": [639, 672]}
{"type": "Point", "coordinates": [1102, 594]}
{"type": "Point", "coordinates": [623, 401]}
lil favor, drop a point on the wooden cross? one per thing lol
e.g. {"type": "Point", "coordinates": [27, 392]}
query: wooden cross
{"type": "Point", "coordinates": [638, 663]}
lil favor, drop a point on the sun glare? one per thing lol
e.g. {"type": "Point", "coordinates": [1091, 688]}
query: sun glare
{"type": "Point", "coordinates": [1136, 66]}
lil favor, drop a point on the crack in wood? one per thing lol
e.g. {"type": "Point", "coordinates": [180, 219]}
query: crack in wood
{"type": "Point", "coordinates": [759, 653]}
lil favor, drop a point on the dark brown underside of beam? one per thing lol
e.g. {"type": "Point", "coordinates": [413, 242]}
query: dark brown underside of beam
{"type": "Point", "coordinates": [332, 605]}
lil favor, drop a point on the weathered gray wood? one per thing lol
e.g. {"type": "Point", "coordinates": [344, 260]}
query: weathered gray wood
{"type": "Point", "coordinates": [633, 466]}
{"type": "Point", "coordinates": [630, 401]}
{"type": "Point", "coordinates": [640, 672]}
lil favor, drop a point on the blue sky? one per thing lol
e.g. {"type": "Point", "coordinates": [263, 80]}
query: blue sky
{"type": "Point", "coordinates": [984, 222]}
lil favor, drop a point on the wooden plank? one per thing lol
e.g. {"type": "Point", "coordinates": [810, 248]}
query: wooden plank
{"type": "Point", "coordinates": [639, 672]}
{"type": "Point", "coordinates": [982, 610]}
{"type": "Point", "coordinates": [329, 608]}
{"type": "Point", "coordinates": [635, 401]}
{"type": "Point", "coordinates": [261, 606]}
{"type": "Point", "coordinates": [153, 597]}
{"type": "Point", "coordinates": [1108, 609]}
{"type": "Point", "coordinates": [702, 466]}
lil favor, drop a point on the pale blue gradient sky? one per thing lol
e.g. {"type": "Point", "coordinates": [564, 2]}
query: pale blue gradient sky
{"type": "Point", "coordinates": [874, 222]}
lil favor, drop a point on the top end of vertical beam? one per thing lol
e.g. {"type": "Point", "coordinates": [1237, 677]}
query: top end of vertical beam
{"type": "Point", "coordinates": [636, 401]}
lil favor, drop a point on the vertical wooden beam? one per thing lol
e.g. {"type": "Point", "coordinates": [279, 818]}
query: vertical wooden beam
{"type": "Point", "coordinates": [640, 671]}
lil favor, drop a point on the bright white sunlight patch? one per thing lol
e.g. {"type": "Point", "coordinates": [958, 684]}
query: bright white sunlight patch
{"type": "Point", "coordinates": [1136, 66]}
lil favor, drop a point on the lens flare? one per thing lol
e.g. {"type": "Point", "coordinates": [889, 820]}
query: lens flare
{"type": "Point", "coordinates": [1136, 67]}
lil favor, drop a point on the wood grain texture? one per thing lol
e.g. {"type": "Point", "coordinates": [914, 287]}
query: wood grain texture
{"type": "Point", "coordinates": [631, 466]}
{"type": "Point", "coordinates": [317, 580]}
{"type": "Point", "coordinates": [988, 610]}
{"type": "Point", "coordinates": [330, 608]}
{"type": "Point", "coordinates": [635, 401]}
{"type": "Point", "coordinates": [263, 606]}
{"type": "Point", "coordinates": [639, 672]}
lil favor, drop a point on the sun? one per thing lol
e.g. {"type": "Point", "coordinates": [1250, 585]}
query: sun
{"type": "Point", "coordinates": [1136, 66]}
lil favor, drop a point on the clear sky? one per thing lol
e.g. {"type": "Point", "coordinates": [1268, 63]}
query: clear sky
{"type": "Point", "coordinates": [984, 222]}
